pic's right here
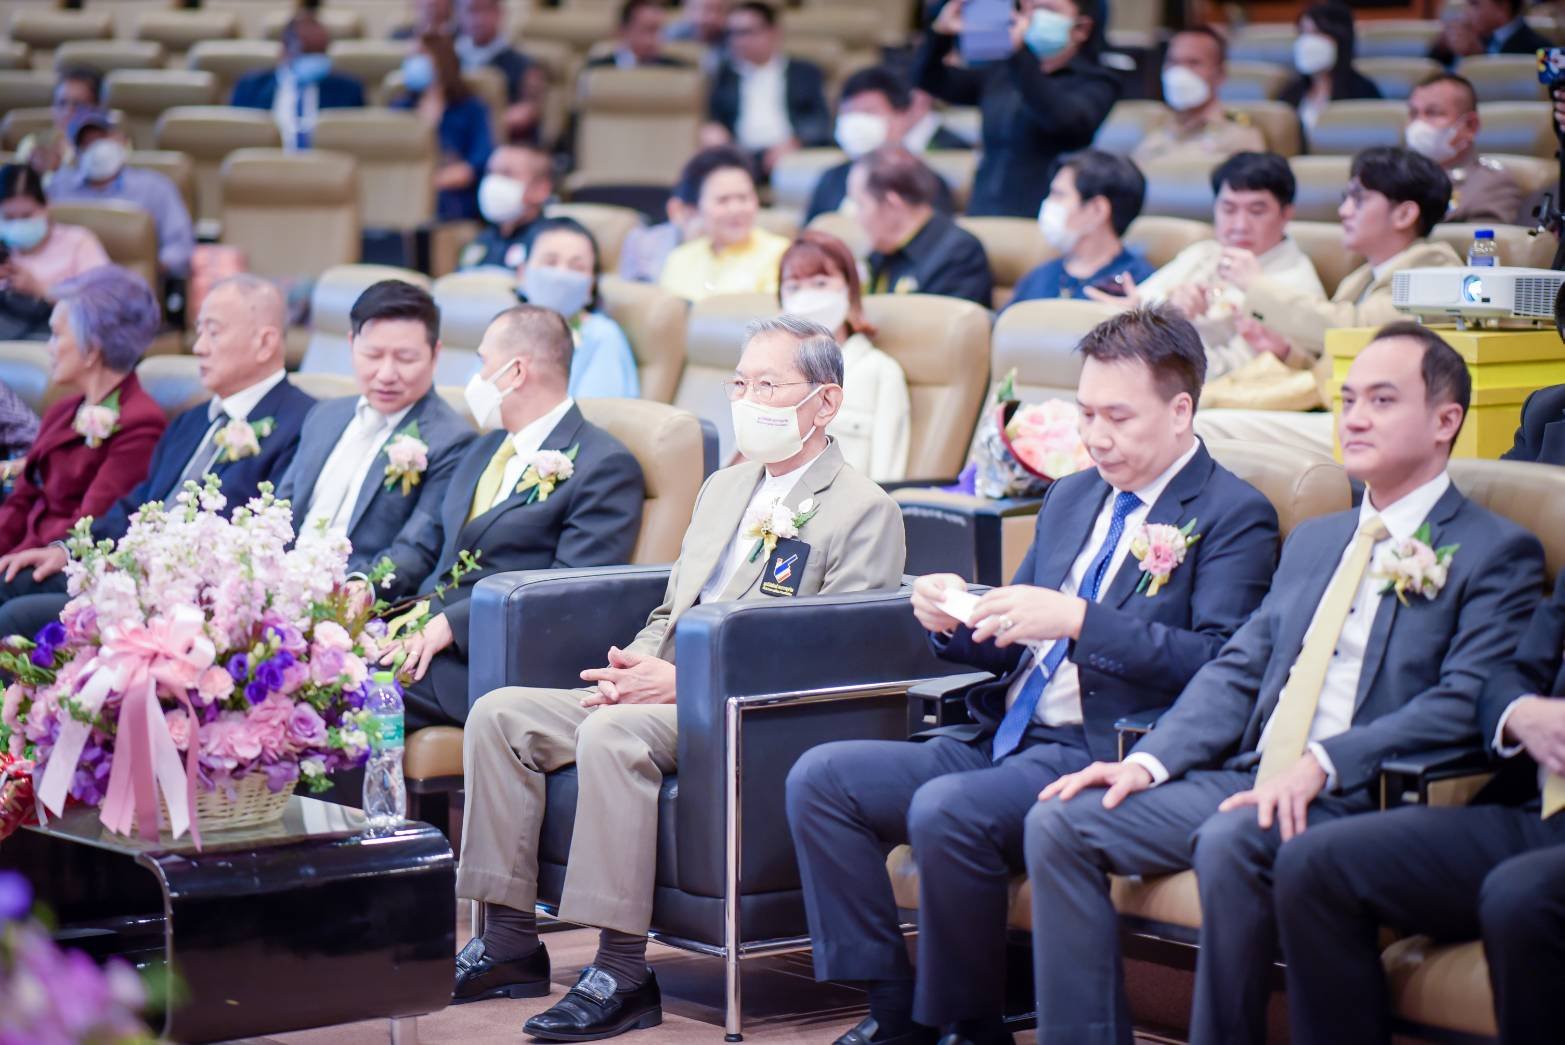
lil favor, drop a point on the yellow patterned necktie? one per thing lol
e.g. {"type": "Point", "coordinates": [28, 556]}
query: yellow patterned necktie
{"type": "Point", "coordinates": [1553, 794]}
{"type": "Point", "coordinates": [487, 492]}
{"type": "Point", "coordinates": [1295, 711]}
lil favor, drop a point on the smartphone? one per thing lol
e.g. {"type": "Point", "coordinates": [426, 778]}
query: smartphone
{"type": "Point", "coordinates": [1551, 67]}
{"type": "Point", "coordinates": [986, 30]}
{"type": "Point", "coordinates": [1114, 286]}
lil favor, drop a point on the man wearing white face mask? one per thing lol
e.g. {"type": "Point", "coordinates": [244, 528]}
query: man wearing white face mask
{"type": "Point", "coordinates": [1091, 202]}
{"type": "Point", "coordinates": [1197, 126]}
{"type": "Point", "coordinates": [495, 508]}
{"type": "Point", "coordinates": [518, 182]}
{"type": "Point", "coordinates": [101, 174]}
{"type": "Point", "coordinates": [302, 84]}
{"type": "Point", "coordinates": [837, 532]}
{"type": "Point", "coordinates": [1443, 124]}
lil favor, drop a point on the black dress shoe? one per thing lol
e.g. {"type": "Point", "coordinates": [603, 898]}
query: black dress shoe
{"type": "Point", "coordinates": [479, 976]}
{"type": "Point", "coordinates": [977, 1032]}
{"type": "Point", "coordinates": [868, 1032]}
{"type": "Point", "coordinates": [596, 1008]}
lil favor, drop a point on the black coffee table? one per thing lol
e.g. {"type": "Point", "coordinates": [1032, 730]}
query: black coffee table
{"type": "Point", "coordinates": [303, 923]}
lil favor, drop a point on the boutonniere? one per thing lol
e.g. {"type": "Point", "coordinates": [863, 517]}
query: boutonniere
{"type": "Point", "coordinates": [96, 422]}
{"type": "Point", "coordinates": [1160, 549]}
{"type": "Point", "coordinates": [1414, 567]}
{"type": "Point", "coordinates": [239, 439]}
{"type": "Point", "coordinates": [768, 524]}
{"type": "Point", "coordinates": [407, 457]}
{"type": "Point", "coordinates": [547, 470]}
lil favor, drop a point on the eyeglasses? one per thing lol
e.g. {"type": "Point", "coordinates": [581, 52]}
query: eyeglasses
{"type": "Point", "coordinates": [763, 389]}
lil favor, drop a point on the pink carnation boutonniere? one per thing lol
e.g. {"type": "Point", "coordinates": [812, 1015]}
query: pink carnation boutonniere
{"type": "Point", "coordinates": [1414, 567]}
{"type": "Point", "coordinates": [407, 458]}
{"type": "Point", "coordinates": [240, 439]}
{"type": "Point", "coordinates": [547, 470]}
{"type": "Point", "coordinates": [1160, 548]}
{"type": "Point", "coordinates": [95, 422]}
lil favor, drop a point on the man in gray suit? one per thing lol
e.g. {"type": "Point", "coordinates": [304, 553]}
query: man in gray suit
{"type": "Point", "coordinates": [366, 463]}
{"type": "Point", "coordinates": [827, 529]}
{"type": "Point", "coordinates": [1338, 669]}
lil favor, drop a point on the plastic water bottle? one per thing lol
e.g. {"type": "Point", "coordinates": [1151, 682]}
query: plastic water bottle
{"type": "Point", "coordinates": [385, 794]}
{"type": "Point", "coordinates": [1483, 251]}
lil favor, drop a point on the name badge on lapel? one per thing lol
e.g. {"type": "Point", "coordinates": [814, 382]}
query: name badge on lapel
{"type": "Point", "coordinates": [785, 569]}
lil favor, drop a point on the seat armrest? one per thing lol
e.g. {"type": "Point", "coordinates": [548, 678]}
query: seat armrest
{"type": "Point", "coordinates": [1407, 778]}
{"type": "Point", "coordinates": [960, 534]}
{"type": "Point", "coordinates": [944, 700]}
{"type": "Point", "coordinates": [544, 627]}
{"type": "Point", "coordinates": [709, 448]}
{"type": "Point", "coordinates": [1133, 727]}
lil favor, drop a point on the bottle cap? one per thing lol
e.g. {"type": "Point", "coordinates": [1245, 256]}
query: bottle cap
{"type": "Point", "coordinates": [1484, 234]}
{"type": "Point", "coordinates": [384, 678]}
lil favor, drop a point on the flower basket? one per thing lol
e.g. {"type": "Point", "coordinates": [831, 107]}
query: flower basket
{"type": "Point", "coordinates": [249, 802]}
{"type": "Point", "coordinates": [1020, 448]}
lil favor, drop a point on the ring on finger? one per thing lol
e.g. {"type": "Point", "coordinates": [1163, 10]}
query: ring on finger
{"type": "Point", "coordinates": [1006, 624]}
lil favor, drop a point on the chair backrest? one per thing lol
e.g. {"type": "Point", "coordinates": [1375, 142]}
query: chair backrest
{"type": "Point", "coordinates": [1530, 495]}
{"type": "Point", "coordinates": [1524, 128]}
{"type": "Point", "coordinates": [1516, 243]}
{"type": "Point", "coordinates": [1278, 123]}
{"type": "Point", "coordinates": [15, 55]}
{"type": "Point", "coordinates": [1300, 485]}
{"type": "Point", "coordinates": [368, 61]}
{"type": "Point", "coordinates": [126, 14]}
{"type": "Point", "coordinates": [19, 123]}
{"type": "Point", "coordinates": [956, 168]}
{"type": "Point", "coordinates": [1534, 175]}
{"type": "Point", "coordinates": [381, 20]}
{"type": "Point", "coordinates": [639, 125]}
{"type": "Point", "coordinates": [778, 221]}
{"type": "Point", "coordinates": [714, 337]}
{"type": "Point", "coordinates": [174, 382]}
{"type": "Point", "coordinates": [485, 82]}
{"type": "Point", "coordinates": [1253, 81]}
{"type": "Point", "coordinates": [1038, 340]}
{"type": "Point", "coordinates": [666, 442]}
{"type": "Point", "coordinates": [1321, 181]}
{"type": "Point", "coordinates": [25, 370]}
{"type": "Point", "coordinates": [654, 323]}
{"type": "Point", "coordinates": [175, 166]}
{"type": "Point", "coordinates": [1503, 77]}
{"type": "Point", "coordinates": [143, 95]}
{"type": "Point", "coordinates": [208, 134]}
{"type": "Point", "coordinates": [179, 31]}
{"type": "Point", "coordinates": [43, 29]}
{"type": "Point", "coordinates": [105, 56]}
{"type": "Point", "coordinates": [561, 64]}
{"type": "Point", "coordinates": [1126, 124]}
{"type": "Point", "coordinates": [1159, 239]}
{"type": "Point", "coordinates": [326, 386]}
{"type": "Point", "coordinates": [1321, 242]}
{"type": "Point", "coordinates": [942, 345]}
{"type": "Point", "coordinates": [331, 301]}
{"type": "Point", "coordinates": [252, 14]}
{"type": "Point", "coordinates": [855, 27]}
{"type": "Point", "coordinates": [295, 214]}
{"type": "Point", "coordinates": [1396, 77]}
{"type": "Point", "coordinates": [126, 231]}
{"type": "Point", "coordinates": [229, 60]}
{"type": "Point", "coordinates": [795, 175]}
{"type": "Point", "coordinates": [1014, 248]}
{"type": "Point", "coordinates": [468, 302]}
{"type": "Point", "coordinates": [578, 27]}
{"type": "Point", "coordinates": [1347, 128]}
{"type": "Point", "coordinates": [609, 225]}
{"type": "Point", "coordinates": [339, 24]}
{"type": "Point", "coordinates": [1269, 42]}
{"type": "Point", "coordinates": [396, 154]}
{"type": "Point", "coordinates": [844, 228]}
{"type": "Point", "coordinates": [1396, 37]}
{"type": "Point", "coordinates": [1181, 188]}
{"type": "Point", "coordinates": [25, 89]}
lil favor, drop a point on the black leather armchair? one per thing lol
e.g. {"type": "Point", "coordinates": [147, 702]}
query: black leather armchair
{"type": "Point", "coordinates": [760, 682]}
{"type": "Point", "coordinates": [967, 536]}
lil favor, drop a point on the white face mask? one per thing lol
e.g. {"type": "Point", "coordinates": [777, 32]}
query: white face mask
{"type": "Point", "coordinates": [1431, 141]}
{"type": "Point", "coordinates": [1314, 53]}
{"type": "Point", "coordinates": [1052, 219]}
{"type": "Point", "coordinates": [861, 133]}
{"type": "Point", "coordinates": [483, 397]}
{"type": "Point", "coordinates": [103, 159]}
{"type": "Point", "coordinates": [1184, 90]}
{"type": "Point", "coordinates": [827, 306]}
{"type": "Point", "coordinates": [500, 199]}
{"type": "Point", "coordinates": [768, 434]}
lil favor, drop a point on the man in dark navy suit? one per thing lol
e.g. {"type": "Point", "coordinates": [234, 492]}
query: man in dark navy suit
{"type": "Point", "coordinates": [1541, 435]}
{"type": "Point", "coordinates": [1081, 637]}
{"type": "Point", "coordinates": [240, 346]}
{"type": "Point", "coordinates": [302, 84]}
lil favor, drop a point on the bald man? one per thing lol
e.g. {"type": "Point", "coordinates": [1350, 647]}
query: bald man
{"type": "Point", "coordinates": [239, 349]}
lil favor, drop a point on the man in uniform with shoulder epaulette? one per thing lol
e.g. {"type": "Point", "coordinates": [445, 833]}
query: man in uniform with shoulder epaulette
{"type": "Point", "coordinates": [1442, 124]}
{"type": "Point", "coordinates": [1196, 125]}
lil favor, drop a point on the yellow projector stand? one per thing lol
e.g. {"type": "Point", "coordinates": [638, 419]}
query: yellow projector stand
{"type": "Point", "coordinates": [1506, 366]}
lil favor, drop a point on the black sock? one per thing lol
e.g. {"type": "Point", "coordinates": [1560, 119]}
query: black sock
{"type": "Point", "coordinates": [985, 1031]}
{"type": "Point", "coordinates": [623, 957]}
{"type": "Point", "coordinates": [891, 1005]}
{"type": "Point", "coordinates": [509, 934]}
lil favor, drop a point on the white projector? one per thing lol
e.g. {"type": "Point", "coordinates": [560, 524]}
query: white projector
{"type": "Point", "coordinates": [1485, 296]}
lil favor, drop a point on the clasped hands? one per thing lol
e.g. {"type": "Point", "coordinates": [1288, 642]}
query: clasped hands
{"type": "Point", "coordinates": [630, 678]}
{"type": "Point", "coordinates": [1017, 613]}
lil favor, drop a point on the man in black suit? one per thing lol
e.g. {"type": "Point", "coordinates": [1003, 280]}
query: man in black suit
{"type": "Point", "coordinates": [302, 84]}
{"type": "Point", "coordinates": [1541, 435]}
{"type": "Point", "coordinates": [764, 101]}
{"type": "Point", "coordinates": [1078, 640]}
{"type": "Point", "coordinates": [1494, 870]}
{"type": "Point", "coordinates": [481, 43]}
{"type": "Point", "coordinates": [639, 42]}
{"type": "Point", "coordinates": [1488, 27]}
{"type": "Point", "coordinates": [496, 507]}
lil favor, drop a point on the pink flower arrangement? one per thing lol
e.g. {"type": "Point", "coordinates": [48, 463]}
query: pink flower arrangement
{"type": "Point", "coordinates": [95, 422]}
{"type": "Point", "coordinates": [1046, 437]}
{"type": "Point", "coordinates": [1414, 567]}
{"type": "Point", "coordinates": [407, 458]}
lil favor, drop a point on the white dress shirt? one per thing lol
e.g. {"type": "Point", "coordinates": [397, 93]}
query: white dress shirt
{"type": "Point", "coordinates": [763, 104]}
{"type": "Point", "coordinates": [336, 490]}
{"type": "Point", "coordinates": [769, 489]}
{"type": "Point", "coordinates": [1060, 704]}
{"type": "Point", "coordinates": [528, 442]}
{"type": "Point", "coordinates": [295, 110]}
{"type": "Point", "coordinates": [1339, 692]}
{"type": "Point", "coordinates": [236, 407]}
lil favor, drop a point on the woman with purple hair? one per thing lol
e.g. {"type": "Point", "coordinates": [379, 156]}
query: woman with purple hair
{"type": "Point", "coordinates": [95, 443]}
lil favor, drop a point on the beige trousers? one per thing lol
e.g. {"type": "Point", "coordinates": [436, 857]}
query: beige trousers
{"type": "Point", "coordinates": [515, 736]}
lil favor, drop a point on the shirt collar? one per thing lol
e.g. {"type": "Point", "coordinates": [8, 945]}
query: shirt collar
{"type": "Point", "coordinates": [1409, 512]}
{"type": "Point", "coordinates": [1283, 248]}
{"type": "Point", "coordinates": [530, 439]}
{"type": "Point", "coordinates": [773, 67]}
{"type": "Point", "coordinates": [1149, 493]}
{"type": "Point", "coordinates": [362, 411]}
{"type": "Point", "coordinates": [918, 137]}
{"type": "Point", "coordinates": [239, 405]}
{"type": "Point", "coordinates": [793, 475]}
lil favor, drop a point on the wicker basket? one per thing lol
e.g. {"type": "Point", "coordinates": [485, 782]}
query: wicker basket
{"type": "Point", "coordinates": [252, 803]}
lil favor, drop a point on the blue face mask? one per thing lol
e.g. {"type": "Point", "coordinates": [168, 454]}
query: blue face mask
{"type": "Point", "coordinates": [311, 68]}
{"type": "Point", "coordinates": [565, 291]}
{"type": "Point", "coordinates": [1048, 33]}
{"type": "Point", "coordinates": [418, 72]}
{"type": "Point", "coordinates": [24, 233]}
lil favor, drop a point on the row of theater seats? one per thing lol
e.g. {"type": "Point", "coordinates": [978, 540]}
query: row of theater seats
{"type": "Point", "coordinates": [1495, 77]}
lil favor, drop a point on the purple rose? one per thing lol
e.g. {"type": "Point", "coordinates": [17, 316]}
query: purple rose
{"type": "Point", "coordinates": [239, 667]}
{"type": "Point", "coordinates": [375, 629]}
{"type": "Point", "coordinates": [306, 728]}
{"type": "Point", "coordinates": [270, 675]}
{"type": "Point", "coordinates": [16, 896]}
{"type": "Point", "coordinates": [283, 659]}
{"type": "Point", "coordinates": [280, 774]}
{"type": "Point", "coordinates": [256, 692]}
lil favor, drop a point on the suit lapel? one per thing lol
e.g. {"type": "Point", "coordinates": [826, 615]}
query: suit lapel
{"type": "Point", "coordinates": [1070, 534]}
{"type": "Point", "coordinates": [710, 543]}
{"type": "Point", "coordinates": [375, 478]}
{"type": "Point", "coordinates": [1551, 448]}
{"type": "Point", "coordinates": [265, 408]}
{"type": "Point", "coordinates": [818, 477]}
{"type": "Point", "coordinates": [310, 466]}
{"type": "Point", "coordinates": [53, 439]}
{"type": "Point", "coordinates": [1169, 510]}
{"type": "Point", "coordinates": [561, 437]}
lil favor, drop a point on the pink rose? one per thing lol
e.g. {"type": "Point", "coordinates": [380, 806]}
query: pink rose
{"type": "Point", "coordinates": [1160, 560]}
{"type": "Point", "coordinates": [80, 618]}
{"type": "Point", "coordinates": [95, 423]}
{"type": "Point", "coordinates": [214, 684]}
{"type": "Point", "coordinates": [406, 454]}
{"type": "Point", "coordinates": [354, 668]}
{"type": "Point", "coordinates": [326, 666]}
{"type": "Point", "coordinates": [268, 725]}
{"type": "Point", "coordinates": [331, 635]}
{"type": "Point", "coordinates": [179, 728]}
{"type": "Point", "coordinates": [12, 706]}
{"type": "Point", "coordinates": [306, 728]}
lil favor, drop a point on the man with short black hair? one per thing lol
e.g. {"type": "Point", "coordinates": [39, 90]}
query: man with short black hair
{"type": "Point", "coordinates": [1092, 200]}
{"type": "Point", "coordinates": [916, 249]}
{"type": "Point", "coordinates": [639, 40]}
{"type": "Point", "coordinates": [1074, 643]}
{"type": "Point", "coordinates": [302, 84]}
{"type": "Point", "coordinates": [1197, 125]}
{"type": "Point", "coordinates": [1443, 124]}
{"type": "Point", "coordinates": [762, 100]}
{"type": "Point", "coordinates": [1374, 640]}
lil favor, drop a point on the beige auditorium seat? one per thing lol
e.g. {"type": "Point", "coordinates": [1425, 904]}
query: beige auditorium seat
{"type": "Point", "coordinates": [1038, 340]}
{"type": "Point", "coordinates": [779, 222]}
{"type": "Point", "coordinates": [338, 23]}
{"type": "Point", "coordinates": [608, 224]}
{"type": "Point", "coordinates": [105, 56]}
{"type": "Point", "coordinates": [126, 13]}
{"type": "Point", "coordinates": [126, 231]}
{"type": "Point", "coordinates": [323, 387]}
{"type": "Point", "coordinates": [468, 302]}
{"type": "Point", "coordinates": [714, 336]}
{"type": "Point", "coordinates": [1181, 188]}
{"type": "Point", "coordinates": [395, 152]}
{"type": "Point", "coordinates": [794, 177]}
{"type": "Point", "coordinates": [173, 381]}
{"type": "Point", "coordinates": [576, 27]}
{"type": "Point", "coordinates": [1524, 128]}
{"type": "Point", "coordinates": [854, 26]}
{"type": "Point", "coordinates": [175, 166]}
{"type": "Point", "coordinates": [25, 370]}
{"type": "Point", "coordinates": [1278, 123]}
{"type": "Point", "coordinates": [1321, 181]}
{"type": "Point", "coordinates": [956, 168]}
{"type": "Point", "coordinates": [179, 31]}
{"type": "Point", "coordinates": [17, 124]}
{"type": "Point", "coordinates": [294, 214]}
{"type": "Point", "coordinates": [331, 299]}
{"type": "Point", "coordinates": [368, 61]}
{"type": "Point", "coordinates": [231, 60]}
{"type": "Point", "coordinates": [845, 229]}
{"type": "Point", "coordinates": [486, 82]}
{"type": "Point", "coordinates": [1347, 128]}
{"type": "Point", "coordinates": [1270, 42]}
{"type": "Point", "coordinates": [1516, 243]}
{"type": "Point", "coordinates": [667, 444]}
{"type": "Point", "coordinates": [1530, 495]}
{"type": "Point", "coordinates": [43, 29]}
{"type": "Point", "coordinates": [1126, 124]}
{"type": "Point", "coordinates": [1534, 175]}
{"type": "Point", "coordinates": [379, 19]}
{"type": "Point", "coordinates": [1253, 81]}
{"type": "Point", "coordinates": [561, 64]}
{"type": "Point", "coordinates": [637, 126]}
{"type": "Point", "coordinates": [143, 95]}
{"type": "Point", "coordinates": [252, 14]}
{"type": "Point", "coordinates": [1503, 77]}
{"type": "Point", "coordinates": [1014, 246]}
{"type": "Point", "coordinates": [208, 134]}
{"type": "Point", "coordinates": [25, 89]}
{"type": "Point", "coordinates": [654, 323]}
{"type": "Point", "coordinates": [15, 55]}
{"type": "Point", "coordinates": [1444, 986]}
{"type": "Point", "coordinates": [1396, 37]}
{"type": "Point", "coordinates": [1160, 239]}
{"type": "Point", "coordinates": [1321, 242]}
{"type": "Point", "coordinates": [1396, 77]}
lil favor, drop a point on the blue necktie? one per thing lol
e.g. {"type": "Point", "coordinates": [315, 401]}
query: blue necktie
{"type": "Point", "coordinates": [1014, 726]}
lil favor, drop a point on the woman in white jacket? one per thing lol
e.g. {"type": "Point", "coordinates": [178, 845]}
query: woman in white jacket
{"type": "Point", "coordinates": [819, 281]}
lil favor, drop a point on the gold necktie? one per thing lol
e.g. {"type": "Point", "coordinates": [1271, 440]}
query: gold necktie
{"type": "Point", "coordinates": [1295, 711]}
{"type": "Point", "coordinates": [1553, 794]}
{"type": "Point", "coordinates": [487, 493]}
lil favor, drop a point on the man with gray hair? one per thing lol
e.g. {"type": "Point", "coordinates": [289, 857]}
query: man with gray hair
{"type": "Point", "coordinates": [621, 731]}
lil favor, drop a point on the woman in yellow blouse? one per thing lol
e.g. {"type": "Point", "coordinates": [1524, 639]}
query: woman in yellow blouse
{"type": "Point", "coordinates": [734, 255]}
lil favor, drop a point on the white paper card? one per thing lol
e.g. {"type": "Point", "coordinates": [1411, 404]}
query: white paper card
{"type": "Point", "coordinates": [960, 603]}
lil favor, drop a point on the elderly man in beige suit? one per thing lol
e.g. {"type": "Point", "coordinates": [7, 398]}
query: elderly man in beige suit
{"type": "Point", "coordinates": [793, 520]}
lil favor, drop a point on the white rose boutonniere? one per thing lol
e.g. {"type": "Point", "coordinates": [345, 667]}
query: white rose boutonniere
{"type": "Point", "coordinates": [240, 439]}
{"type": "Point", "coordinates": [1414, 567]}
{"type": "Point", "coordinates": [407, 458]}
{"type": "Point", "coordinates": [768, 524]}
{"type": "Point", "coordinates": [95, 422]}
{"type": "Point", "coordinates": [547, 470]}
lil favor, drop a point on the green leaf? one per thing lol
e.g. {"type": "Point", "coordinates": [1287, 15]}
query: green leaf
{"type": "Point", "coordinates": [411, 429]}
{"type": "Point", "coordinates": [1422, 533]}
